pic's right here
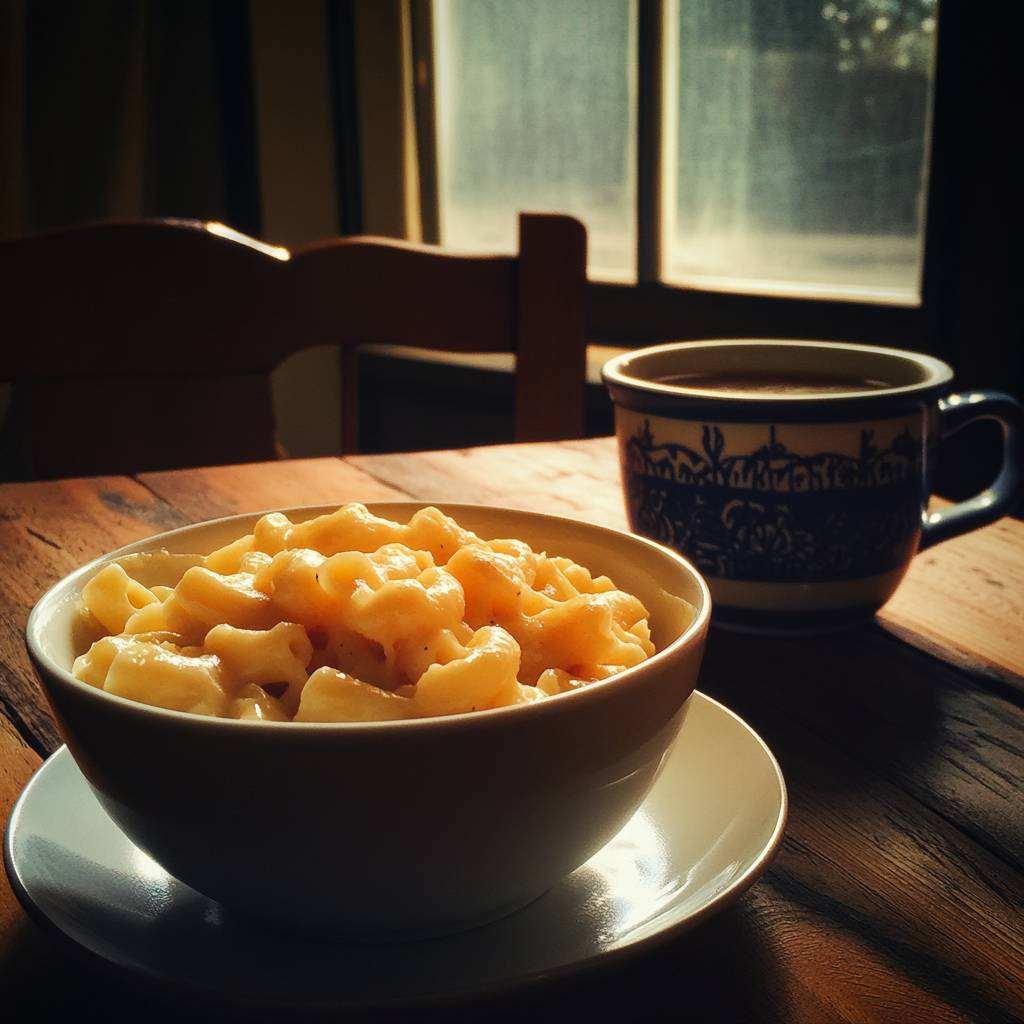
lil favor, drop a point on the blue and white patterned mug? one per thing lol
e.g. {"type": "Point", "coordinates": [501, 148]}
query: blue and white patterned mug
{"type": "Point", "coordinates": [795, 474]}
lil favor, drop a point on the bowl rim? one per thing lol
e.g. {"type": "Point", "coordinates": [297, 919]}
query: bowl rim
{"type": "Point", "coordinates": [62, 591]}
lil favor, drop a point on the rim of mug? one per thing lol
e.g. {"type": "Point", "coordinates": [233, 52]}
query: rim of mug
{"type": "Point", "coordinates": [615, 371]}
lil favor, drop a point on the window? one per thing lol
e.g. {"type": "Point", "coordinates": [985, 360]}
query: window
{"type": "Point", "coordinates": [791, 138]}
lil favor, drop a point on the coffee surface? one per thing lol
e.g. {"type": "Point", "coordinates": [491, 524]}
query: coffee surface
{"type": "Point", "coordinates": [767, 382]}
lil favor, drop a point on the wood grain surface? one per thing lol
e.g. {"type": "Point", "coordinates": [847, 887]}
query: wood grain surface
{"type": "Point", "coordinates": [578, 479]}
{"type": "Point", "coordinates": [46, 530]}
{"type": "Point", "coordinates": [898, 891]}
{"type": "Point", "coordinates": [204, 494]}
{"type": "Point", "coordinates": [943, 737]}
{"type": "Point", "coordinates": [17, 763]}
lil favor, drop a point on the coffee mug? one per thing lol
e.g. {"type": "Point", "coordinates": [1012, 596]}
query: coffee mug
{"type": "Point", "coordinates": [795, 474]}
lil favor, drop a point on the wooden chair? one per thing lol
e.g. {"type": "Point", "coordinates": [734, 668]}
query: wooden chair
{"type": "Point", "coordinates": [148, 345]}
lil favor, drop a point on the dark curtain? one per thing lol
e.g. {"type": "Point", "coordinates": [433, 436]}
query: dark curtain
{"type": "Point", "coordinates": [201, 151]}
{"type": "Point", "coordinates": [77, 61]}
{"type": "Point", "coordinates": [164, 84]}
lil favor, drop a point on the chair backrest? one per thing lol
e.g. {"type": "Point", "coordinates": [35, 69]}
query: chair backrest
{"type": "Point", "coordinates": [148, 345]}
{"type": "Point", "coordinates": [372, 290]}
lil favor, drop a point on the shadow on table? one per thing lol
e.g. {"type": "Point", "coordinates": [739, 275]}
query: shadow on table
{"type": "Point", "coordinates": [864, 698]}
{"type": "Point", "coordinates": [721, 971]}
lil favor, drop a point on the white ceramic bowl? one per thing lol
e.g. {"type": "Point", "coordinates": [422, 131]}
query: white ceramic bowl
{"type": "Point", "coordinates": [387, 829]}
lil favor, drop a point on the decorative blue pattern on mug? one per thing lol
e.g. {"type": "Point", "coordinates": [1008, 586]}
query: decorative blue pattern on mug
{"type": "Point", "coordinates": [772, 515]}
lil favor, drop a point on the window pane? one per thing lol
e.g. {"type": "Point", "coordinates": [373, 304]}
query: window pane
{"type": "Point", "coordinates": [536, 111]}
{"type": "Point", "coordinates": [797, 139]}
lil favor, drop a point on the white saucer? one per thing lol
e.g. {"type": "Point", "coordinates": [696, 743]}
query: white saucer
{"type": "Point", "coordinates": [704, 835]}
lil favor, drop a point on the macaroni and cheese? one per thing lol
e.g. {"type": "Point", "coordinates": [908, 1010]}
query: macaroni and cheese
{"type": "Point", "coordinates": [350, 618]}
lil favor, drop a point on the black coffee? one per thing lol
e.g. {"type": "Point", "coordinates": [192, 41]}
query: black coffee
{"type": "Point", "coordinates": [771, 382]}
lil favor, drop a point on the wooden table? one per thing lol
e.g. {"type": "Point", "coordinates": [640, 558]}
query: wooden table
{"type": "Point", "coordinates": [898, 893]}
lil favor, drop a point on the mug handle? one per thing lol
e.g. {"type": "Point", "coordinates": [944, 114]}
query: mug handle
{"type": "Point", "coordinates": [956, 411]}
